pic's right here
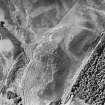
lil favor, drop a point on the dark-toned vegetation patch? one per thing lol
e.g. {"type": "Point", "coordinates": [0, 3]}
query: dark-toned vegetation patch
{"type": "Point", "coordinates": [90, 85]}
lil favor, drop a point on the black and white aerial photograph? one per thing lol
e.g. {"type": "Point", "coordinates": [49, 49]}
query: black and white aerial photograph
{"type": "Point", "coordinates": [52, 52]}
